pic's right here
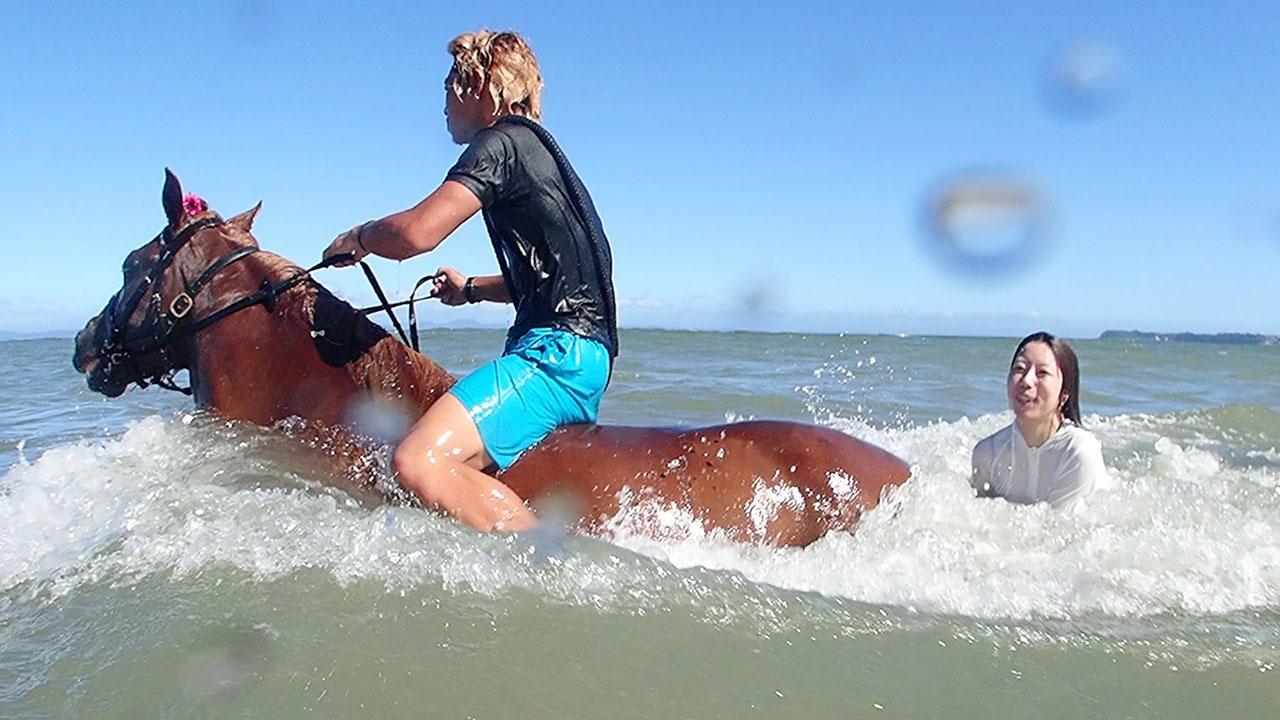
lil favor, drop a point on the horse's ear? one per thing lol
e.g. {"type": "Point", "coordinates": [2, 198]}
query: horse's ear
{"type": "Point", "coordinates": [244, 221]}
{"type": "Point", "coordinates": [171, 198]}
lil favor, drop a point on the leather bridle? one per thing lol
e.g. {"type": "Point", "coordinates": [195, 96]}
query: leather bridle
{"type": "Point", "coordinates": [168, 324]}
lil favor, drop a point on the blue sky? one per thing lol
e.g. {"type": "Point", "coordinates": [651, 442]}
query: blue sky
{"type": "Point", "coordinates": [756, 165]}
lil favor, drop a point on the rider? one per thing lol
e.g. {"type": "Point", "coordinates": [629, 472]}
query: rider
{"type": "Point", "coordinates": [556, 269]}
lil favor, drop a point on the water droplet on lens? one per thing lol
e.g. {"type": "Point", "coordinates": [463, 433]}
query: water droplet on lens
{"type": "Point", "coordinates": [985, 223]}
{"type": "Point", "coordinates": [556, 512]}
{"type": "Point", "coordinates": [1080, 80]}
{"type": "Point", "coordinates": [382, 420]}
{"type": "Point", "coordinates": [254, 20]}
{"type": "Point", "coordinates": [225, 661]}
{"type": "Point", "coordinates": [755, 298]}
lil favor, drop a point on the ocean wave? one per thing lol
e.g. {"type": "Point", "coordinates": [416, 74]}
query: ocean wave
{"type": "Point", "coordinates": [1184, 529]}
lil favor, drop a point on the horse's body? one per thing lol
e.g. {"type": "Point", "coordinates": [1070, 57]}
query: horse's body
{"type": "Point", "coordinates": [307, 354]}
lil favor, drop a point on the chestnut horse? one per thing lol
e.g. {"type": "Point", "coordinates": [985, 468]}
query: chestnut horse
{"type": "Point", "coordinates": [264, 343]}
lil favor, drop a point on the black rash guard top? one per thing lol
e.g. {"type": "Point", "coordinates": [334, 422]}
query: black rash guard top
{"type": "Point", "coordinates": [558, 271]}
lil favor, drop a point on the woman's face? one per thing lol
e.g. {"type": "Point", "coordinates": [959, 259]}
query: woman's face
{"type": "Point", "coordinates": [1035, 383]}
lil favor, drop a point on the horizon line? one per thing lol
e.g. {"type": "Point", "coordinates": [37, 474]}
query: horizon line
{"type": "Point", "coordinates": [1169, 336]}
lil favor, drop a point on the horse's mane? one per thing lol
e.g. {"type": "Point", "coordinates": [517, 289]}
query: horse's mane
{"type": "Point", "coordinates": [277, 267]}
{"type": "Point", "coordinates": [346, 338]}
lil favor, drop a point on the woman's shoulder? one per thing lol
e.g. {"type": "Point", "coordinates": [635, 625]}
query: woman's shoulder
{"type": "Point", "coordinates": [989, 444]}
{"type": "Point", "coordinates": [996, 436]}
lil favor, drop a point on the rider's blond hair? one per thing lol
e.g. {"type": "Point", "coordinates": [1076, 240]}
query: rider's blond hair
{"type": "Point", "coordinates": [506, 62]}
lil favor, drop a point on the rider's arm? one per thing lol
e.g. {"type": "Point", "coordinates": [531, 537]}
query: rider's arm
{"type": "Point", "coordinates": [410, 232]}
{"type": "Point", "coordinates": [422, 227]}
{"type": "Point", "coordinates": [492, 288]}
{"type": "Point", "coordinates": [451, 288]}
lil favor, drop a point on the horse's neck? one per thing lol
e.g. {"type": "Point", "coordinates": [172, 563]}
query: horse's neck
{"type": "Point", "coordinates": [312, 356]}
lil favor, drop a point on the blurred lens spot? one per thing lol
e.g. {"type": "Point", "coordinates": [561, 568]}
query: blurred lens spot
{"type": "Point", "coordinates": [757, 304]}
{"type": "Point", "coordinates": [254, 20]}
{"type": "Point", "coordinates": [1256, 227]}
{"type": "Point", "coordinates": [226, 660]}
{"type": "Point", "coordinates": [983, 224]}
{"type": "Point", "coordinates": [383, 420]}
{"type": "Point", "coordinates": [557, 512]}
{"type": "Point", "coordinates": [1080, 80]}
{"type": "Point", "coordinates": [755, 299]}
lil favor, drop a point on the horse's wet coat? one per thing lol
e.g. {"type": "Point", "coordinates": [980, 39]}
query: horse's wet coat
{"type": "Point", "coordinates": [314, 357]}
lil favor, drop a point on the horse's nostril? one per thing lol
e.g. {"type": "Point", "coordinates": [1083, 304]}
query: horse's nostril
{"type": "Point", "coordinates": [84, 356]}
{"type": "Point", "coordinates": [80, 355]}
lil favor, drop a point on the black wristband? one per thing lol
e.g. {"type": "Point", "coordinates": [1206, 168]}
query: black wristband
{"type": "Point", "coordinates": [360, 238]}
{"type": "Point", "coordinates": [469, 290]}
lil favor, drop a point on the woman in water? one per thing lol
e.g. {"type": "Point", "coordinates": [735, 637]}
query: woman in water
{"type": "Point", "coordinates": [1045, 455]}
{"type": "Point", "coordinates": [556, 269]}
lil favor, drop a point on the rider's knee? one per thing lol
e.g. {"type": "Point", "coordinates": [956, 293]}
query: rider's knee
{"type": "Point", "coordinates": [420, 469]}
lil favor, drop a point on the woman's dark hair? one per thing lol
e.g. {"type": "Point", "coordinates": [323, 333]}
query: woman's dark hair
{"type": "Point", "coordinates": [1067, 364]}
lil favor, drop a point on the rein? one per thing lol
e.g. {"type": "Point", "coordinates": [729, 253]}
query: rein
{"type": "Point", "coordinates": [412, 338]}
{"type": "Point", "coordinates": [266, 294]}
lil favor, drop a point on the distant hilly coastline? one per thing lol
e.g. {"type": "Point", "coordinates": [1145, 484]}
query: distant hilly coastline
{"type": "Point", "coordinates": [36, 334]}
{"type": "Point", "coordinates": [1215, 338]}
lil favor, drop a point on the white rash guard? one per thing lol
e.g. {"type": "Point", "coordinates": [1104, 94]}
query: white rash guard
{"type": "Point", "coordinates": [1063, 470]}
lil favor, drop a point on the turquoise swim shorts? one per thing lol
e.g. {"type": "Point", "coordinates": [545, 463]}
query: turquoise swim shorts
{"type": "Point", "coordinates": [546, 379]}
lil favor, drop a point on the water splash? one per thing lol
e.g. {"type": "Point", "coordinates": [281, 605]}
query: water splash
{"type": "Point", "coordinates": [1182, 531]}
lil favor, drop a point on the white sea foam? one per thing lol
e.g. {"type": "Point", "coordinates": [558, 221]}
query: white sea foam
{"type": "Point", "coordinates": [1180, 531]}
{"type": "Point", "coordinates": [71, 502]}
{"type": "Point", "coordinates": [1175, 532]}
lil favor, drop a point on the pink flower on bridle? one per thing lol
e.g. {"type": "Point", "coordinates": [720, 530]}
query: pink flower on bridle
{"type": "Point", "coordinates": [193, 204]}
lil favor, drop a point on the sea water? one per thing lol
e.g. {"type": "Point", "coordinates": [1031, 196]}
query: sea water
{"type": "Point", "coordinates": [160, 562]}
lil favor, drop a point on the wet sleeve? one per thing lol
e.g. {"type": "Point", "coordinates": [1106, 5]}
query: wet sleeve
{"type": "Point", "coordinates": [485, 166]}
{"type": "Point", "coordinates": [981, 462]}
{"type": "Point", "coordinates": [1080, 470]}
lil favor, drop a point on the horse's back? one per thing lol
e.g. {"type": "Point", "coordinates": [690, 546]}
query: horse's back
{"type": "Point", "coordinates": [780, 482]}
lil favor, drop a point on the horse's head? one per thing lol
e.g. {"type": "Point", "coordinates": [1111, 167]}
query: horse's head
{"type": "Point", "coordinates": [138, 337]}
